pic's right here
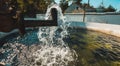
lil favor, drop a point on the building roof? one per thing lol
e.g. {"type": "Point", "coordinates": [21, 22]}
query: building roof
{"type": "Point", "coordinates": [73, 7]}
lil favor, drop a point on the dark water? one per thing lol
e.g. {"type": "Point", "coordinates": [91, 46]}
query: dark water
{"type": "Point", "coordinates": [93, 48]}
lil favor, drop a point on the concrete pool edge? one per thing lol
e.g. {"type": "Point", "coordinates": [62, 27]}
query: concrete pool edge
{"type": "Point", "coordinates": [101, 27]}
{"type": "Point", "coordinates": [3, 34]}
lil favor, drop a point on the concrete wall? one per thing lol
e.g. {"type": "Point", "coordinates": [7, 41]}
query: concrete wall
{"type": "Point", "coordinates": [103, 22]}
{"type": "Point", "coordinates": [95, 18]}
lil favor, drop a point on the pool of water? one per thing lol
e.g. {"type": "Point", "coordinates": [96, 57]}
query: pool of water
{"type": "Point", "coordinates": [91, 49]}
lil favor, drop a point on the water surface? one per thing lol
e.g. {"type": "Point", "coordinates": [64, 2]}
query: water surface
{"type": "Point", "coordinates": [92, 49]}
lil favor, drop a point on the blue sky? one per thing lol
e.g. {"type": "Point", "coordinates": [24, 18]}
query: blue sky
{"type": "Point", "coordinates": [96, 3]}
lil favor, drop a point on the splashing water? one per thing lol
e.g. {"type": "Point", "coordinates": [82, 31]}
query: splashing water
{"type": "Point", "coordinates": [50, 32]}
{"type": "Point", "coordinates": [50, 51]}
{"type": "Point", "coordinates": [54, 52]}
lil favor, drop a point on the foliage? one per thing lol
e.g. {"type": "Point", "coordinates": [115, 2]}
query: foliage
{"type": "Point", "coordinates": [110, 9]}
{"type": "Point", "coordinates": [78, 1]}
{"type": "Point", "coordinates": [37, 5]}
{"type": "Point", "coordinates": [63, 5]}
{"type": "Point", "coordinates": [40, 6]}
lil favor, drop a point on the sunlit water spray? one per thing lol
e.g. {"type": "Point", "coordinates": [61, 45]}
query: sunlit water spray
{"type": "Point", "coordinates": [51, 51]}
{"type": "Point", "coordinates": [54, 52]}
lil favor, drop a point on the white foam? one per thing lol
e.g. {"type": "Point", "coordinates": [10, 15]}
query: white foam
{"type": "Point", "coordinates": [54, 51]}
{"type": "Point", "coordinates": [54, 56]}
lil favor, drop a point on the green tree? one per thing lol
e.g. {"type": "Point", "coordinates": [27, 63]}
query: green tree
{"type": "Point", "coordinates": [64, 5]}
{"type": "Point", "coordinates": [78, 2]}
{"type": "Point", "coordinates": [39, 6]}
{"type": "Point", "coordinates": [110, 9]}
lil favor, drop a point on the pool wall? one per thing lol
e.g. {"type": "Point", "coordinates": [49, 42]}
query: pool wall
{"type": "Point", "coordinates": [104, 22]}
{"type": "Point", "coordinates": [109, 18]}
